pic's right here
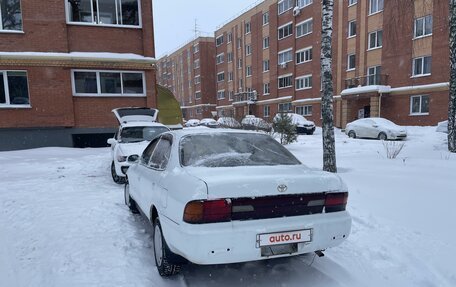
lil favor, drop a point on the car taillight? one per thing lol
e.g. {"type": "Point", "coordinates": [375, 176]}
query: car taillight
{"type": "Point", "coordinates": [336, 201]}
{"type": "Point", "coordinates": [207, 211]}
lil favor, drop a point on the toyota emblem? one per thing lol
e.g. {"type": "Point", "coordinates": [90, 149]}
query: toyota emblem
{"type": "Point", "coordinates": [282, 188]}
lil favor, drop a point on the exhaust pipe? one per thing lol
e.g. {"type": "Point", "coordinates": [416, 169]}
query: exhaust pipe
{"type": "Point", "coordinates": [319, 253]}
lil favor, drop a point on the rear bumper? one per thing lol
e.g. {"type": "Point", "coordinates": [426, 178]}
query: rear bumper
{"type": "Point", "coordinates": [236, 241]}
{"type": "Point", "coordinates": [305, 130]}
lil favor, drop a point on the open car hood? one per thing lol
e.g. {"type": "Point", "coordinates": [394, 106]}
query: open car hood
{"type": "Point", "coordinates": [125, 115]}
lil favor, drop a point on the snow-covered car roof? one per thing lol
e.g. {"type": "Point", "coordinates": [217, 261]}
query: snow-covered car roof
{"type": "Point", "coordinates": [296, 119]}
{"type": "Point", "coordinates": [141, 124]}
{"type": "Point", "coordinates": [381, 121]}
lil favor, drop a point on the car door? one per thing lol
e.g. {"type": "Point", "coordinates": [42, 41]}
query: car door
{"type": "Point", "coordinates": [371, 129]}
{"type": "Point", "coordinates": [153, 193]}
{"type": "Point", "coordinates": [137, 172]}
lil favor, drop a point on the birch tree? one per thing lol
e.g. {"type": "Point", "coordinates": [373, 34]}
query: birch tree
{"type": "Point", "coordinates": [329, 147]}
{"type": "Point", "coordinates": [452, 100]}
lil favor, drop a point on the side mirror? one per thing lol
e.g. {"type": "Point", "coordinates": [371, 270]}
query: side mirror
{"type": "Point", "coordinates": [111, 141]}
{"type": "Point", "coordinates": [134, 158]}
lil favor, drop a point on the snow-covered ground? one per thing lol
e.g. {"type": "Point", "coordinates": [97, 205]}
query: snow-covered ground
{"type": "Point", "coordinates": [63, 222]}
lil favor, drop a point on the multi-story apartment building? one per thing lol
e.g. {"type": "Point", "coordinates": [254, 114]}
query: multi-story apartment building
{"type": "Point", "coordinates": [390, 59]}
{"type": "Point", "coordinates": [65, 64]}
{"type": "Point", "coordinates": [189, 73]}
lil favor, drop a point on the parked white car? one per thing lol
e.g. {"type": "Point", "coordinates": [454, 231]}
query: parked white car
{"type": "Point", "coordinates": [137, 128]}
{"type": "Point", "coordinates": [229, 122]}
{"type": "Point", "coordinates": [377, 128]}
{"type": "Point", "coordinates": [208, 122]}
{"type": "Point", "coordinates": [217, 196]}
{"type": "Point", "coordinates": [303, 126]}
{"type": "Point", "coordinates": [192, 123]}
{"type": "Point", "coordinates": [250, 122]}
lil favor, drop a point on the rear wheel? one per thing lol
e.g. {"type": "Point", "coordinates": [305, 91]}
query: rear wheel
{"type": "Point", "coordinates": [382, 136]}
{"type": "Point", "coordinates": [130, 202]}
{"type": "Point", "coordinates": [164, 258]}
{"type": "Point", "coordinates": [352, 134]}
{"type": "Point", "coordinates": [117, 179]}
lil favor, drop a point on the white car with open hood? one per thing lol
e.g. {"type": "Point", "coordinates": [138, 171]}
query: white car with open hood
{"type": "Point", "coordinates": [137, 128]}
{"type": "Point", "coordinates": [219, 196]}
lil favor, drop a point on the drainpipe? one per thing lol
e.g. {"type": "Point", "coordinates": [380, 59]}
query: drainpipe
{"type": "Point", "coordinates": [380, 105]}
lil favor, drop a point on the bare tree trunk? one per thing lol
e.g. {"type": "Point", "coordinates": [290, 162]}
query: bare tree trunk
{"type": "Point", "coordinates": [452, 100]}
{"type": "Point", "coordinates": [329, 147]}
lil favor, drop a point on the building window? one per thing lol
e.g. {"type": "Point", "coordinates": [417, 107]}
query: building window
{"type": "Point", "coordinates": [285, 81]}
{"type": "Point", "coordinates": [265, 65]}
{"type": "Point", "coordinates": [196, 64]}
{"type": "Point", "coordinates": [304, 55]}
{"type": "Point", "coordinates": [352, 29]}
{"type": "Point", "coordinates": [221, 95]}
{"type": "Point", "coordinates": [108, 83]}
{"type": "Point", "coordinates": [266, 111]}
{"type": "Point", "coordinates": [303, 3]}
{"type": "Point", "coordinates": [352, 2]}
{"type": "Point", "coordinates": [248, 71]}
{"type": "Point", "coordinates": [230, 76]}
{"type": "Point", "coordinates": [196, 48]}
{"type": "Point", "coordinates": [10, 15]}
{"type": "Point", "coordinates": [304, 28]}
{"type": "Point", "coordinates": [241, 84]}
{"type": "Point", "coordinates": [248, 27]}
{"type": "Point", "coordinates": [266, 18]}
{"type": "Point", "coordinates": [266, 89]}
{"type": "Point", "coordinates": [419, 105]}
{"type": "Point", "coordinates": [104, 12]}
{"type": "Point", "coordinates": [221, 77]}
{"type": "Point", "coordinates": [197, 79]}
{"type": "Point", "coordinates": [373, 75]}
{"type": "Point", "coordinates": [197, 95]}
{"type": "Point", "coordinates": [285, 30]}
{"type": "Point", "coordinates": [351, 62]}
{"type": "Point", "coordinates": [14, 88]}
{"type": "Point", "coordinates": [423, 26]}
{"type": "Point", "coordinates": [284, 108]}
{"type": "Point", "coordinates": [220, 58]}
{"type": "Point", "coordinates": [375, 6]}
{"type": "Point", "coordinates": [199, 111]}
{"type": "Point", "coordinates": [219, 40]}
{"type": "Point", "coordinates": [422, 66]}
{"type": "Point", "coordinates": [376, 39]}
{"type": "Point", "coordinates": [304, 110]}
{"type": "Point", "coordinates": [231, 95]}
{"type": "Point", "coordinates": [265, 42]}
{"type": "Point", "coordinates": [239, 43]}
{"type": "Point", "coordinates": [239, 63]}
{"type": "Point", "coordinates": [229, 37]}
{"type": "Point", "coordinates": [248, 50]}
{"type": "Point", "coordinates": [285, 5]}
{"type": "Point", "coordinates": [304, 82]}
{"type": "Point", "coordinates": [230, 57]}
{"type": "Point", "coordinates": [285, 56]}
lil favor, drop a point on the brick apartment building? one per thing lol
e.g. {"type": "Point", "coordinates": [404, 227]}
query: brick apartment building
{"type": "Point", "coordinates": [65, 64]}
{"type": "Point", "coordinates": [189, 73]}
{"type": "Point", "coordinates": [390, 59]}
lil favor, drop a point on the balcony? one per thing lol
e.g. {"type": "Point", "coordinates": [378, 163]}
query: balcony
{"type": "Point", "coordinates": [371, 80]}
{"type": "Point", "coordinates": [245, 97]}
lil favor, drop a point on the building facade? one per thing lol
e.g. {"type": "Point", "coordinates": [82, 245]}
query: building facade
{"type": "Point", "coordinates": [390, 59]}
{"type": "Point", "coordinates": [189, 73]}
{"type": "Point", "coordinates": [65, 64]}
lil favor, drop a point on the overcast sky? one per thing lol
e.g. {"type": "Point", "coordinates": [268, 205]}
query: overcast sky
{"type": "Point", "coordinates": [174, 20]}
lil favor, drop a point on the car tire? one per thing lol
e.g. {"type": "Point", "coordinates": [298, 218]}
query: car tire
{"type": "Point", "coordinates": [117, 179]}
{"type": "Point", "coordinates": [130, 202]}
{"type": "Point", "coordinates": [164, 257]}
{"type": "Point", "coordinates": [352, 134]}
{"type": "Point", "coordinates": [382, 136]}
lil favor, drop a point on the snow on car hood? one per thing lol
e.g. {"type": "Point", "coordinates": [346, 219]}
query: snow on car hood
{"type": "Point", "coordinates": [128, 149]}
{"type": "Point", "coordinates": [253, 181]}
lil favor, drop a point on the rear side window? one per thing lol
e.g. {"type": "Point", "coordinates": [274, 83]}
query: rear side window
{"type": "Point", "coordinates": [145, 158]}
{"type": "Point", "coordinates": [161, 154]}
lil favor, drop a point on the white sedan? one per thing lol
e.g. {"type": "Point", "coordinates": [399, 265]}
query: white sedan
{"type": "Point", "coordinates": [377, 128]}
{"type": "Point", "coordinates": [137, 128]}
{"type": "Point", "coordinates": [225, 196]}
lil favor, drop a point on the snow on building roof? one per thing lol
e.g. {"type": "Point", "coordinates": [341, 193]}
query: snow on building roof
{"type": "Point", "coordinates": [78, 56]}
{"type": "Point", "coordinates": [366, 89]}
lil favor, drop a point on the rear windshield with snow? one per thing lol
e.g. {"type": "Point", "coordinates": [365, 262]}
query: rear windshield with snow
{"type": "Point", "coordinates": [138, 134]}
{"type": "Point", "coordinates": [233, 149]}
